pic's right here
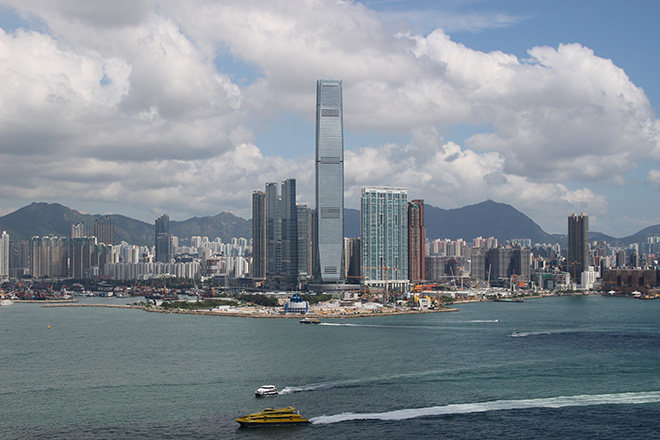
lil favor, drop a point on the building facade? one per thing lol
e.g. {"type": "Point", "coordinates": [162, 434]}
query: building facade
{"type": "Point", "coordinates": [329, 231]}
{"type": "Point", "coordinates": [384, 237]}
{"type": "Point", "coordinates": [502, 265]}
{"type": "Point", "coordinates": [289, 235]}
{"type": "Point", "coordinates": [304, 241]}
{"type": "Point", "coordinates": [258, 235]}
{"type": "Point", "coordinates": [48, 257]}
{"type": "Point", "coordinates": [578, 245]}
{"type": "Point", "coordinates": [416, 241]}
{"type": "Point", "coordinates": [273, 225]}
{"type": "Point", "coordinates": [163, 240]}
{"type": "Point", "coordinates": [104, 230]}
{"type": "Point", "coordinates": [4, 254]}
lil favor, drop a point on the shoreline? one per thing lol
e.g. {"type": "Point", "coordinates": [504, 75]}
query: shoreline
{"type": "Point", "coordinates": [256, 314]}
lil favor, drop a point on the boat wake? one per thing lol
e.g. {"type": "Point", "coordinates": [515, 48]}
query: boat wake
{"type": "Point", "coordinates": [496, 405]}
{"type": "Point", "coordinates": [423, 326]}
{"type": "Point", "coordinates": [321, 386]}
{"type": "Point", "coordinates": [540, 333]}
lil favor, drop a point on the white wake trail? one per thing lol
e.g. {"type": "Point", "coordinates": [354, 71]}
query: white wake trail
{"type": "Point", "coordinates": [497, 405]}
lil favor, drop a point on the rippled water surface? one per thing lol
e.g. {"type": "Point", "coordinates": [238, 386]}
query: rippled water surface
{"type": "Point", "coordinates": [561, 367]}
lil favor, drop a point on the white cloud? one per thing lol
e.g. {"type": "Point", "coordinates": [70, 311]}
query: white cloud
{"type": "Point", "coordinates": [444, 175]}
{"type": "Point", "coordinates": [125, 102]}
{"type": "Point", "coordinates": [653, 178]}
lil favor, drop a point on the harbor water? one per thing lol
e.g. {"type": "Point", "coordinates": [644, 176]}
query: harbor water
{"type": "Point", "coordinates": [583, 367]}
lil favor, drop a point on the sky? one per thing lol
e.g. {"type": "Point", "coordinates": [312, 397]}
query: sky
{"type": "Point", "coordinates": [141, 107]}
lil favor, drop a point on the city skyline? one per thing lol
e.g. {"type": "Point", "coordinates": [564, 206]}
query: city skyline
{"type": "Point", "coordinates": [139, 111]}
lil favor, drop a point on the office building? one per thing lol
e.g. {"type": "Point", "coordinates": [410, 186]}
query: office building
{"type": "Point", "coordinates": [329, 228]}
{"type": "Point", "coordinates": [258, 235]}
{"type": "Point", "coordinates": [163, 240]}
{"type": "Point", "coordinates": [273, 225]}
{"type": "Point", "coordinates": [578, 246]}
{"type": "Point", "coordinates": [416, 241]}
{"type": "Point", "coordinates": [384, 237]}
{"type": "Point", "coordinates": [304, 241]}
{"type": "Point", "coordinates": [289, 231]}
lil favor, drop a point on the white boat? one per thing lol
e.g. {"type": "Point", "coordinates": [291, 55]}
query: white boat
{"type": "Point", "coordinates": [266, 390]}
{"type": "Point", "coordinates": [5, 302]}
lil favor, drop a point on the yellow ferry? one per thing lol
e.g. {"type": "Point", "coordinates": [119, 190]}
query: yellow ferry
{"type": "Point", "coordinates": [273, 417]}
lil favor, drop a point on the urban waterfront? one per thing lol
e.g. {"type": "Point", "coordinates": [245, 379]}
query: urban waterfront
{"type": "Point", "coordinates": [557, 367]}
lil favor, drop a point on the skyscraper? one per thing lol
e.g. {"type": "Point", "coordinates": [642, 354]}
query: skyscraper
{"type": "Point", "coordinates": [329, 231]}
{"type": "Point", "coordinates": [259, 235]}
{"type": "Point", "coordinates": [48, 256]}
{"type": "Point", "coordinates": [4, 254]}
{"type": "Point", "coordinates": [289, 215]}
{"type": "Point", "coordinates": [304, 241]}
{"type": "Point", "coordinates": [163, 239]}
{"type": "Point", "coordinates": [273, 224]}
{"type": "Point", "coordinates": [384, 233]}
{"type": "Point", "coordinates": [578, 245]}
{"type": "Point", "coordinates": [79, 230]}
{"type": "Point", "coordinates": [104, 230]}
{"type": "Point", "coordinates": [416, 240]}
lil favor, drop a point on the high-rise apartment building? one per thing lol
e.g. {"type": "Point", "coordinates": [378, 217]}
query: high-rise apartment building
{"type": "Point", "coordinates": [79, 230]}
{"type": "Point", "coordinates": [578, 245]}
{"type": "Point", "coordinates": [82, 256]}
{"type": "Point", "coordinates": [384, 234]}
{"type": "Point", "coordinates": [329, 228]}
{"type": "Point", "coordinates": [4, 254]}
{"type": "Point", "coordinates": [163, 239]}
{"type": "Point", "coordinates": [48, 257]}
{"type": "Point", "coordinates": [416, 241]}
{"type": "Point", "coordinates": [104, 230]}
{"type": "Point", "coordinates": [258, 235]}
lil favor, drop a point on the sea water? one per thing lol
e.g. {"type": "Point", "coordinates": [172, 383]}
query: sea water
{"type": "Point", "coordinates": [552, 368]}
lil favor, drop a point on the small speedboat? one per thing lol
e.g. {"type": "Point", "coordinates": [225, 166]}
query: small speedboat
{"type": "Point", "coordinates": [266, 390]}
{"type": "Point", "coordinates": [273, 417]}
{"type": "Point", "coordinates": [309, 321]}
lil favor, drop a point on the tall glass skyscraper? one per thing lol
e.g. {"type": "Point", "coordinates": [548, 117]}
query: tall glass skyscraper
{"type": "Point", "coordinates": [259, 235]}
{"type": "Point", "coordinates": [329, 232]}
{"type": "Point", "coordinates": [578, 245]}
{"type": "Point", "coordinates": [384, 233]}
{"type": "Point", "coordinates": [289, 215]}
{"type": "Point", "coordinates": [272, 230]}
{"type": "Point", "coordinates": [163, 239]}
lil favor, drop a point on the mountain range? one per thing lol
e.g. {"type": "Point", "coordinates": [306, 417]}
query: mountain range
{"type": "Point", "coordinates": [485, 219]}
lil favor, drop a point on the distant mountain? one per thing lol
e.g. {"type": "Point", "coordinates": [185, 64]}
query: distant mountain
{"type": "Point", "coordinates": [486, 219]}
{"type": "Point", "coordinates": [41, 219]}
{"type": "Point", "coordinates": [53, 218]}
{"type": "Point", "coordinates": [224, 225]}
{"type": "Point", "coordinates": [641, 236]}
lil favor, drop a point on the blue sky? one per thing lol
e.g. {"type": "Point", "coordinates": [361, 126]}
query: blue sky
{"type": "Point", "coordinates": [140, 108]}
